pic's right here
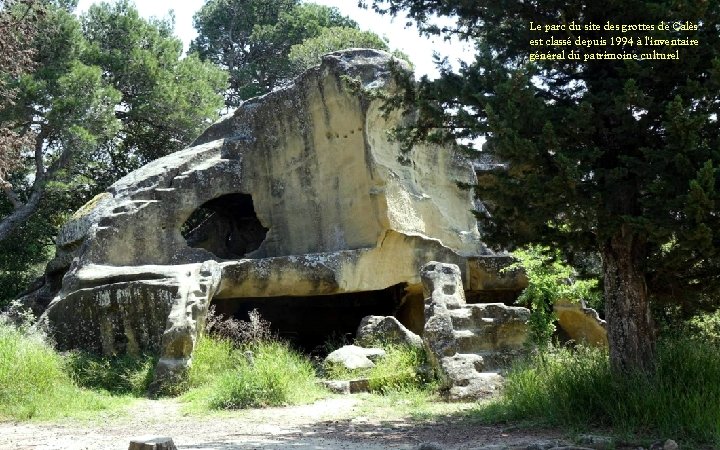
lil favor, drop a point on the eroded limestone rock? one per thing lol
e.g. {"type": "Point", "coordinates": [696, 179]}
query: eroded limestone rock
{"type": "Point", "coordinates": [387, 330]}
{"type": "Point", "coordinates": [355, 357]}
{"type": "Point", "coordinates": [152, 443]}
{"type": "Point", "coordinates": [303, 194]}
{"type": "Point", "coordinates": [469, 345]}
{"type": "Point", "coordinates": [581, 324]}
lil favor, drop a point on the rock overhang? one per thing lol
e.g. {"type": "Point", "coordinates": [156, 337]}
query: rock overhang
{"type": "Point", "coordinates": [342, 213]}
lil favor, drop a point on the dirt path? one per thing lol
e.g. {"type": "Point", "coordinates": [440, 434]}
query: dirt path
{"type": "Point", "coordinates": [334, 423]}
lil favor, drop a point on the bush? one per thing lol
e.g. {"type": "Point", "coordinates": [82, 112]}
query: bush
{"type": "Point", "coordinates": [577, 389]}
{"type": "Point", "coordinates": [549, 279]}
{"type": "Point", "coordinates": [266, 373]}
{"type": "Point", "coordinates": [33, 381]}
{"type": "Point", "coordinates": [116, 375]}
{"type": "Point", "coordinates": [704, 326]}
{"type": "Point", "coordinates": [238, 332]}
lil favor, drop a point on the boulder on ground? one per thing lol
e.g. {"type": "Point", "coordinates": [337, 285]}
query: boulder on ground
{"type": "Point", "coordinates": [347, 386]}
{"type": "Point", "coordinates": [581, 324]}
{"type": "Point", "coordinates": [385, 330]}
{"type": "Point", "coordinates": [353, 357]}
{"type": "Point", "coordinates": [152, 443]}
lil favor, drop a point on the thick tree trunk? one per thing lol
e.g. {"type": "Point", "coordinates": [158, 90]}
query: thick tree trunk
{"type": "Point", "coordinates": [20, 215]}
{"type": "Point", "coordinates": [630, 327]}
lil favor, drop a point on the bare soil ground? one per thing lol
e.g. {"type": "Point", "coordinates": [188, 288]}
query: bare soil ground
{"type": "Point", "coordinates": [341, 422]}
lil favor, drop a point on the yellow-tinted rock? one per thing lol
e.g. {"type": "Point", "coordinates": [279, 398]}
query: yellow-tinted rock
{"type": "Point", "coordinates": [581, 324]}
{"type": "Point", "coordinates": [306, 195]}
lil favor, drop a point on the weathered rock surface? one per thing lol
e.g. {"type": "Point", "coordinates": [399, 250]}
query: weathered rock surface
{"type": "Point", "coordinates": [303, 195]}
{"type": "Point", "coordinates": [354, 357]}
{"type": "Point", "coordinates": [385, 329]}
{"type": "Point", "coordinates": [152, 443]}
{"type": "Point", "coordinates": [347, 386]}
{"type": "Point", "coordinates": [581, 324]}
{"type": "Point", "coordinates": [469, 345]}
{"type": "Point", "coordinates": [596, 442]}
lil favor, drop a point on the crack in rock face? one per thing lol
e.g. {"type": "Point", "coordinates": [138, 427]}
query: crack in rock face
{"type": "Point", "coordinates": [304, 197]}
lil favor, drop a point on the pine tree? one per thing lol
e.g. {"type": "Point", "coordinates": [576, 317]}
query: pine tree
{"type": "Point", "coordinates": [253, 39]}
{"type": "Point", "coordinates": [618, 157]}
{"type": "Point", "coordinates": [107, 93]}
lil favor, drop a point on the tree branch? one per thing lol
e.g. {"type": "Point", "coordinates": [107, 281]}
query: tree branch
{"type": "Point", "coordinates": [10, 194]}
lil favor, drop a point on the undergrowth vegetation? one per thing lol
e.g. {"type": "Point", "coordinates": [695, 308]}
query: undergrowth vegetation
{"type": "Point", "coordinates": [240, 364]}
{"type": "Point", "coordinates": [264, 373]}
{"type": "Point", "coordinates": [116, 375]}
{"type": "Point", "coordinates": [400, 370]}
{"type": "Point", "coordinates": [577, 389]}
{"type": "Point", "coordinates": [35, 383]}
{"type": "Point", "coordinates": [550, 280]}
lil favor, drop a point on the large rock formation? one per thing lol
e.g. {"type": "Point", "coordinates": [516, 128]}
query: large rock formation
{"type": "Point", "coordinates": [298, 205]}
{"type": "Point", "coordinates": [469, 345]}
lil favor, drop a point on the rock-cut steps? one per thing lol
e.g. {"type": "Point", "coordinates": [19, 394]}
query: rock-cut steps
{"type": "Point", "coordinates": [469, 345]}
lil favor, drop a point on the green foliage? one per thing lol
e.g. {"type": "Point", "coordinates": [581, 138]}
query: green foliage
{"type": "Point", "coordinates": [18, 26]}
{"type": "Point", "coordinates": [116, 375]}
{"type": "Point", "coordinates": [22, 259]}
{"type": "Point", "coordinates": [578, 390]}
{"type": "Point", "coordinates": [253, 39]}
{"type": "Point", "coordinates": [549, 280]}
{"type": "Point", "coordinates": [108, 93]}
{"type": "Point", "coordinates": [307, 53]}
{"type": "Point", "coordinates": [211, 357]}
{"type": "Point", "coordinates": [166, 101]}
{"type": "Point", "coordinates": [613, 157]}
{"type": "Point", "coordinates": [401, 370]}
{"type": "Point", "coordinates": [705, 326]}
{"type": "Point", "coordinates": [34, 382]}
{"type": "Point", "coordinates": [267, 373]}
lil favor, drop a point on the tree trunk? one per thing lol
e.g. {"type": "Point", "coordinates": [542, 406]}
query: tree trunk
{"type": "Point", "coordinates": [20, 215]}
{"type": "Point", "coordinates": [630, 328]}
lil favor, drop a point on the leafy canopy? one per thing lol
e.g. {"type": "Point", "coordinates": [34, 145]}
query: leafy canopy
{"type": "Point", "coordinates": [18, 25]}
{"type": "Point", "coordinates": [253, 40]}
{"type": "Point", "coordinates": [109, 92]}
{"type": "Point", "coordinates": [618, 157]}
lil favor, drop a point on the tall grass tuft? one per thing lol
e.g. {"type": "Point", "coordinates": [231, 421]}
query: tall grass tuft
{"type": "Point", "coordinates": [265, 373]}
{"type": "Point", "coordinates": [399, 370]}
{"type": "Point", "coordinates": [577, 389]}
{"type": "Point", "coordinates": [33, 381]}
{"type": "Point", "coordinates": [120, 375]}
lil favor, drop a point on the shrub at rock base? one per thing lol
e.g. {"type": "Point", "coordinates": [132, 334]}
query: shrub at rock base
{"type": "Point", "coordinates": [116, 375]}
{"type": "Point", "coordinates": [265, 373]}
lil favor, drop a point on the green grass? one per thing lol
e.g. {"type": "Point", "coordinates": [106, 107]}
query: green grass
{"type": "Point", "coordinates": [223, 377]}
{"type": "Point", "coordinates": [34, 383]}
{"type": "Point", "coordinates": [419, 404]}
{"type": "Point", "coordinates": [578, 390]}
{"type": "Point", "coordinates": [120, 375]}
{"type": "Point", "coordinates": [398, 371]}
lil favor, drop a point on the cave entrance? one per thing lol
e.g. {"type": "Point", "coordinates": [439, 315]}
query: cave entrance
{"type": "Point", "coordinates": [226, 226]}
{"type": "Point", "coordinates": [309, 322]}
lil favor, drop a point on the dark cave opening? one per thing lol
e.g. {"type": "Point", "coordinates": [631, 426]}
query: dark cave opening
{"type": "Point", "coordinates": [226, 226]}
{"type": "Point", "coordinates": [309, 322]}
